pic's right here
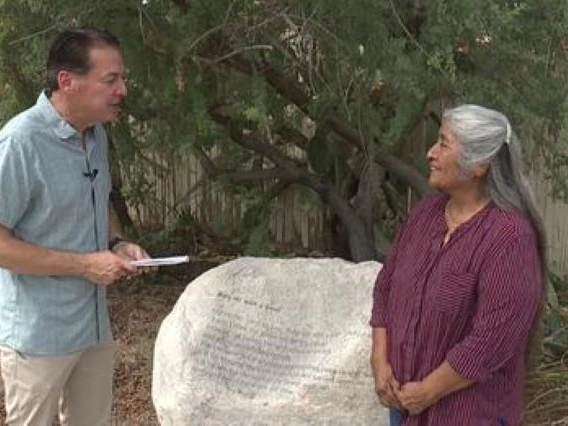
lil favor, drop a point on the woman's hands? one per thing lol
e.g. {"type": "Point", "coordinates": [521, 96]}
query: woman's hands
{"type": "Point", "coordinates": [386, 386]}
{"type": "Point", "coordinates": [418, 396]}
{"type": "Point", "coordinates": [415, 397]}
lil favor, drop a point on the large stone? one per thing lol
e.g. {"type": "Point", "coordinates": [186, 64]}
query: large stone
{"type": "Point", "coordinates": [269, 341]}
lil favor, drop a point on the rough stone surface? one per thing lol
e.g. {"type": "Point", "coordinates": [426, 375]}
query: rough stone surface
{"type": "Point", "coordinates": [269, 342]}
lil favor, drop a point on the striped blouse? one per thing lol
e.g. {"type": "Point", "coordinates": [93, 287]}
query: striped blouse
{"type": "Point", "coordinates": [470, 302]}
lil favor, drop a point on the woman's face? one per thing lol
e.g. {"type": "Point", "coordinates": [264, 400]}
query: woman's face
{"type": "Point", "coordinates": [443, 158]}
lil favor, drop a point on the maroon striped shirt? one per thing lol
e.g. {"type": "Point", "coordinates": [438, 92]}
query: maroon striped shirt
{"type": "Point", "coordinates": [470, 302]}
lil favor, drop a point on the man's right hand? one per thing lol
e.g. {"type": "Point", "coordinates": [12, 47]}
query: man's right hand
{"type": "Point", "coordinates": [105, 267]}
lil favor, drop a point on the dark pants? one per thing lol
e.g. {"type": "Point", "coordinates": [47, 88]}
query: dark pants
{"type": "Point", "coordinates": [394, 418]}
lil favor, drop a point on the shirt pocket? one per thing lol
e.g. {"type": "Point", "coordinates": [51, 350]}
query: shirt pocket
{"type": "Point", "coordinates": [456, 291]}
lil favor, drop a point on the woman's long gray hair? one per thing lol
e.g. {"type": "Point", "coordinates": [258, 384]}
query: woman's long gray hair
{"type": "Point", "coordinates": [486, 137]}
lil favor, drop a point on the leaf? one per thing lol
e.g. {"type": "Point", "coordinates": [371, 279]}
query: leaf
{"type": "Point", "coordinates": [258, 242]}
{"type": "Point", "coordinates": [252, 114]}
{"type": "Point", "coordinates": [319, 156]}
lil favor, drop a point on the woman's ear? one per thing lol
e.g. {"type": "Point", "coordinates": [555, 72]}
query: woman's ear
{"type": "Point", "coordinates": [480, 170]}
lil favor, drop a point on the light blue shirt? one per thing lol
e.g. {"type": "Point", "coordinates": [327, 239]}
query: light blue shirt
{"type": "Point", "coordinates": [46, 200]}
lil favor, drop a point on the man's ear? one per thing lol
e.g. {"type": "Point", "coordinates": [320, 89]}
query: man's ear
{"type": "Point", "coordinates": [66, 81]}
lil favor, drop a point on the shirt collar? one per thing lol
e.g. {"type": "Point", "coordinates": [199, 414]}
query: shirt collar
{"type": "Point", "coordinates": [475, 219]}
{"type": "Point", "coordinates": [62, 128]}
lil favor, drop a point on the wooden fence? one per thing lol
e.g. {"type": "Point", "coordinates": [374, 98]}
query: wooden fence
{"type": "Point", "coordinates": [555, 215]}
{"type": "Point", "coordinates": [183, 186]}
{"type": "Point", "coordinates": [178, 183]}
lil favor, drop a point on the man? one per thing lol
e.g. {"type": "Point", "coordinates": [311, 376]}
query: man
{"type": "Point", "coordinates": [58, 246]}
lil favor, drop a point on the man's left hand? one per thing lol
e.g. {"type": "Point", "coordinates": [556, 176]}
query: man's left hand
{"type": "Point", "coordinates": [132, 251]}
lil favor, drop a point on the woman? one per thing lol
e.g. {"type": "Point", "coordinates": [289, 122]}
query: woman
{"type": "Point", "coordinates": [456, 301]}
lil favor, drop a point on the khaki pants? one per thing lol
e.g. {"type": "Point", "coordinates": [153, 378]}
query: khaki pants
{"type": "Point", "coordinates": [78, 385]}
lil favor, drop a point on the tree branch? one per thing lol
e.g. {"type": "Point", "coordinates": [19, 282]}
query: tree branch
{"type": "Point", "coordinates": [257, 175]}
{"type": "Point", "coordinates": [293, 136]}
{"type": "Point", "coordinates": [213, 172]}
{"type": "Point", "coordinates": [237, 134]}
{"type": "Point", "coordinates": [182, 5]}
{"type": "Point", "coordinates": [293, 92]}
{"type": "Point", "coordinates": [360, 242]}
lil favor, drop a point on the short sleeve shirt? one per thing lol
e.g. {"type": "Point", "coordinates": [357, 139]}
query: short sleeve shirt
{"type": "Point", "coordinates": [53, 193]}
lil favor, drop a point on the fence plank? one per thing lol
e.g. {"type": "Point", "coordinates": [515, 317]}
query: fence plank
{"type": "Point", "coordinates": [555, 217]}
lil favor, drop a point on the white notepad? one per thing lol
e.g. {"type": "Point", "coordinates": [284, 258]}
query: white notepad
{"type": "Point", "coordinates": [161, 261]}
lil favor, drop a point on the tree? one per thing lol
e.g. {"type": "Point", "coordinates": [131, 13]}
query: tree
{"type": "Point", "coordinates": [319, 93]}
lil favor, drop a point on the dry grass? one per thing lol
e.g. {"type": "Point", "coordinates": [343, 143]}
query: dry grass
{"type": "Point", "coordinates": [547, 395]}
{"type": "Point", "coordinates": [137, 313]}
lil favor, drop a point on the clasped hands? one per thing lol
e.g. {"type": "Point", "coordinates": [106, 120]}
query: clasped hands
{"type": "Point", "coordinates": [414, 397]}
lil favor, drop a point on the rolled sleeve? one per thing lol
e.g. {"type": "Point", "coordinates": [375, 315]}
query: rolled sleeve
{"type": "Point", "coordinates": [381, 295]}
{"type": "Point", "coordinates": [383, 283]}
{"type": "Point", "coordinates": [15, 189]}
{"type": "Point", "coordinates": [509, 292]}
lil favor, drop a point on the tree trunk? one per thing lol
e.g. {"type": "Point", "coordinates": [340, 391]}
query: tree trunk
{"type": "Point", "coordinates": [360, 240]}
{"type": "Point", "coordinates": [117, 200]}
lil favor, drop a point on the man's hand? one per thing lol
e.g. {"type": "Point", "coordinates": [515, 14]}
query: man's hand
{"type": "Point", "coordinates": [131, 251]}
{"type": "Point", "coordinates": [386, 386]}
{"type": "Point", "coordinates": [415, 397]}
{"type": "Point", "coordinates": [105, 267]}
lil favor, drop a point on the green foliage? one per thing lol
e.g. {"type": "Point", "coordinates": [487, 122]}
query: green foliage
{"type": "Point", "coordinates": [258, 243]}
{"type": "Point", "coordinates": [376, 67]}
{"type": "Point", "coordinates": [320, 155]}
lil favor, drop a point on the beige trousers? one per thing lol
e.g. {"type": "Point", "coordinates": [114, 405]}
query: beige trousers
{"type": "Point", "coordinates": [77, 385]}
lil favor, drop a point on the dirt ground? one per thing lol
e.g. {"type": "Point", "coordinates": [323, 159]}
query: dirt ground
{"type": "Point", "coordinates": [136, 314]}
{"type": "Point", "coordinates": [137, 309]}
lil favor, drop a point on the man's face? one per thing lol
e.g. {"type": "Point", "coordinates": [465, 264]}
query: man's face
{"type": "Point", "coordinates": [98, 95]}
